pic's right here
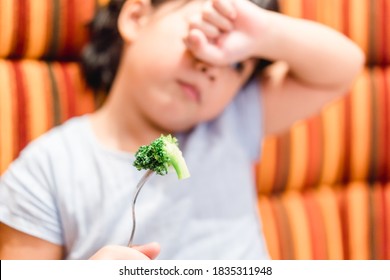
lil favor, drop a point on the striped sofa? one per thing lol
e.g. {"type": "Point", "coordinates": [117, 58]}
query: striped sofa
{"type": "Point", "coordinates": [322, 185]}
{"type": "Point", "coordinates": [40, 80]}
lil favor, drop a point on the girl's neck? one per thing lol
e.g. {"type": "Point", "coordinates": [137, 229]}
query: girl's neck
{"type": "Point", "coordinates": [121, 128]}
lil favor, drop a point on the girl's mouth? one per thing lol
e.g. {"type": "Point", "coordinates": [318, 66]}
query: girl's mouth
{"type": "Point", "coordinates": [190, 91]}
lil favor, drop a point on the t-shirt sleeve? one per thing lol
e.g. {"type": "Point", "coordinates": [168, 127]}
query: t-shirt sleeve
{"type": "Point", "coordinates": [27, 201]}
{"type": "Point", "coordinates": [248, 119]}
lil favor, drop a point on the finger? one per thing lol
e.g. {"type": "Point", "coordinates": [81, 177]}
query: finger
{"type": "Point", "coordinates": [151, 250]}
{"type": "Point", "coordinates": [225, 8]}
{"type": "Point", "coordinates": [215, 18]}
{"type": "Point", "coordinates": [210, 30]}
{"type": "Point", "coordinates": [201, 48]}
{"type": "Point", "coordinates": [114, 252]}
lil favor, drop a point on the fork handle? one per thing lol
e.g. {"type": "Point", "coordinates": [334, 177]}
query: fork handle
{"type": "Point", "coordinates": [137, 191]}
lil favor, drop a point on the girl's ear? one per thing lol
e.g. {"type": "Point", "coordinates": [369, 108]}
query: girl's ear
{"type": "Point", "coordinates": [131, 17]}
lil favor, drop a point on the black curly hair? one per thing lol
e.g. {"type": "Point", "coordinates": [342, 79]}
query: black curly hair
{"type": "Point", "coordinates": [101, 56]}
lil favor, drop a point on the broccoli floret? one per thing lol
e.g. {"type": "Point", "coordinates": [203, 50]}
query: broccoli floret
{"type": "Point", "coordinates": [160, 155]}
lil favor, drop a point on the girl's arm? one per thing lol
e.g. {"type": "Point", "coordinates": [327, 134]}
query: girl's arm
{"type": "Point", "coordinates": [15, 245]}
{"type": "Point", "coordinates": [319, 65]}
{"type": "Point", "coordinates": [316, 64]}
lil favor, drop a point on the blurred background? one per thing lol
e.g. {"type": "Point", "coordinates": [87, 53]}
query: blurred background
{"type": "Point", "coordinates": [323, 185]}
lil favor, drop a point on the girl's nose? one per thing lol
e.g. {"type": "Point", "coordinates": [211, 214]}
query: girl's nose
{"type": "Point", "coordinates": [206, 69]}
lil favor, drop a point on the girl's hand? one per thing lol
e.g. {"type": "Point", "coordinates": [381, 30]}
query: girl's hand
{"type": "Point", "coordinates": [225, 31]}
{"type": "Point", "coordinates": [112, 252]}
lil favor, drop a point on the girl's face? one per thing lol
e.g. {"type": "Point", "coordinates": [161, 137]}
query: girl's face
{"type": "Point", "coordinates": [164, 82]}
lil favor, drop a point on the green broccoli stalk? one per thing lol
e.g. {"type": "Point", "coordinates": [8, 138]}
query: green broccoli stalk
{"type": "Point", "coordinates": [160, 155]}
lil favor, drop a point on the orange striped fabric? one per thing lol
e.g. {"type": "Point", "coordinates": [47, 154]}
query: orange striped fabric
{"type": "Point", "coordinates": [323, 185]}
{"type": "Point", "coordinates": [349, 140]}
{"type": "Point", "coordinates": [344, 222]}
{"type": "Point", "coordinates": [35, 96]}
{"type": "Point", "coordinates": [50, 29]}
{"type": "Point", "coordinates": [300, 226]}
{"type": "Point", "coordinates": [366, 22]}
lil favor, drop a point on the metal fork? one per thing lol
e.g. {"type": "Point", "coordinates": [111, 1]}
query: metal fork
{"type": "Point", "coordinates": [138, 189]}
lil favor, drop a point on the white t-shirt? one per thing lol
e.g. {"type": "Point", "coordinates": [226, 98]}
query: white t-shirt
{"type": "Point", "coordinates": [68, 189]}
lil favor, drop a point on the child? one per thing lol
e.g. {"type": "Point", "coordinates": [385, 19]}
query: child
{"type": "Point", "coordinates": [182, 67]}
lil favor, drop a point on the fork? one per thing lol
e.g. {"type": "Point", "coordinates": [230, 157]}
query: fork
{"type": "Point", "coordinates": [140, 184]}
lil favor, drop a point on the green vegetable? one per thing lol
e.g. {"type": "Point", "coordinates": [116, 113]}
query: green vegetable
{"type": "Point", "coordinates": [160, 155]}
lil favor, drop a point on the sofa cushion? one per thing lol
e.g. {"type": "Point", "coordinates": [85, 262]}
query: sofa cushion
{"type": "Point", "coordinates": [50, 29]}
{"type": "Point", "coordinates": [348, 141]}
{"type": "Point", "coordinates": [348, 221]}
{"type": "Point", "coordinates": [35, 96]}
{"type": "Point", "coordinates": [365, 21]}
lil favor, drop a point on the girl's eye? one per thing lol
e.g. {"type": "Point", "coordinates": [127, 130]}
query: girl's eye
{"type": "Point", "coordinates": [239, 66]}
